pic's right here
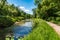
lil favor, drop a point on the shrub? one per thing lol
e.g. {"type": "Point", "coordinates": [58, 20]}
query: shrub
{"type": "Point", "coordinates": [5, 22]}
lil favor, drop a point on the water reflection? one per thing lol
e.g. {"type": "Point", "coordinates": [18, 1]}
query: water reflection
{"type": "Point", "coordinates": [20, 30]}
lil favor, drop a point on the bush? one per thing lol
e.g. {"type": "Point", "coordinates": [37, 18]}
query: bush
{"type": "Point", "coordinates": [5, 22]}
{"type": "Point", "coordinates": [17, 19]}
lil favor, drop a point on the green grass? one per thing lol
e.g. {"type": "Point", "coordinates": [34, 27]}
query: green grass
{"type": "Point", "coordinates": [42, 31]}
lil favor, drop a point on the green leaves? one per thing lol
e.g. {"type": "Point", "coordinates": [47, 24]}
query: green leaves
{"type": "Point", "coordinates": [47, 8]}
{"type": "Point", "coordinates": [5, 22]}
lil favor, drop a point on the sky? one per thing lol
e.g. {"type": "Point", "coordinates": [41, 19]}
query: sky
{"type": "Point", "coordinates": [25, 5]}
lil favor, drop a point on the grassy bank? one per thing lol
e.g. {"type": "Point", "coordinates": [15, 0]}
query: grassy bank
{"type": "Point", "coordinates": [42, 31]}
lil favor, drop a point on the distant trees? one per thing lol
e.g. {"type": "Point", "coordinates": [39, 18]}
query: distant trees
{"type": "Point", "coordinates": [47, 9]}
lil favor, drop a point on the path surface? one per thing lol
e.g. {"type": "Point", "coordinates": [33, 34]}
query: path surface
{"type": "Point", "coordinates": [55, 27]}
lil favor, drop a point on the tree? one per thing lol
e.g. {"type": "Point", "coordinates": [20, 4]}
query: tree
{"type": "Point", "coordinates": [35, 13]}
{"type": "Point", "coordinates": [2, 3]}
{"type": "Point", "coordinates": [48, 8]}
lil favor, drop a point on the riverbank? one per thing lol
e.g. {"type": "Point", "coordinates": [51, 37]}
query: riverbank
{"type": "Point", "coordinates": [22, 22]}
{"type": "Point", "coordinates": [19, 23]}
{"type": "Point", "coordinates": [42, 31]}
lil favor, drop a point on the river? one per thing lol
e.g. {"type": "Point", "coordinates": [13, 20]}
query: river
{"type": "Point", "coordinates": [21, 30]}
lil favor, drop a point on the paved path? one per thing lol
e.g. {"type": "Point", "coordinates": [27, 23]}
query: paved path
{"type": "Point", "coordinates": [55, 27]}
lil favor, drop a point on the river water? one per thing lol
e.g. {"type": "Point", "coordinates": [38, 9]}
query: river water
{"type": "Point", "coordinates": [21, 30]}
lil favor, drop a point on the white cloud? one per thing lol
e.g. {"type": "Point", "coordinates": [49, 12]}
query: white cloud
{"type": "Point", "coordinates": [24, 9]}
{"type": "Point", "coordinates": [27, 10]}
{"type": "Point", "coordinates": [21, 7]}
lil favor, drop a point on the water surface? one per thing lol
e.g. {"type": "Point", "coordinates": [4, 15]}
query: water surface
{"type": "Point", "coordinates": [21, 30]}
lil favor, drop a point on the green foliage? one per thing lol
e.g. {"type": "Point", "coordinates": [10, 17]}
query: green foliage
{"type": "Point", "coordinates": [17, 19]}
{"type": "Point", "coordinates": [47, 9]}
{"type": "Point", "coordinates": [35, 13]}
{"type": "Point", "coordinates": [5, 22]}
{"type": "Point", "coordinates": [57, 21]}
{"type": "Point", "coordinates": [42, 32]}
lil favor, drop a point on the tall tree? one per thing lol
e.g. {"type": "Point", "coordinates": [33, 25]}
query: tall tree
{"type": "Point", "coordinates": [48, 8]}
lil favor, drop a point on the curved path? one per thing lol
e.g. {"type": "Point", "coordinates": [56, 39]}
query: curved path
{"type": "Point", "coordinates": [55, 27]}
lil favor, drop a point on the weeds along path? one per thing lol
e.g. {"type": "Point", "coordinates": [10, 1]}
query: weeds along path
{"type": "Point", "coordinates": [55, 27]}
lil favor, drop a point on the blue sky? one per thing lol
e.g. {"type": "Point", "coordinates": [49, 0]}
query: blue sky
{"type": "Point", "coordinates": [25, 5]}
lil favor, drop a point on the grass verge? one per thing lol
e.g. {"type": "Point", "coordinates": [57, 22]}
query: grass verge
{"type": "Point", "coordinates": [42, 31]}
